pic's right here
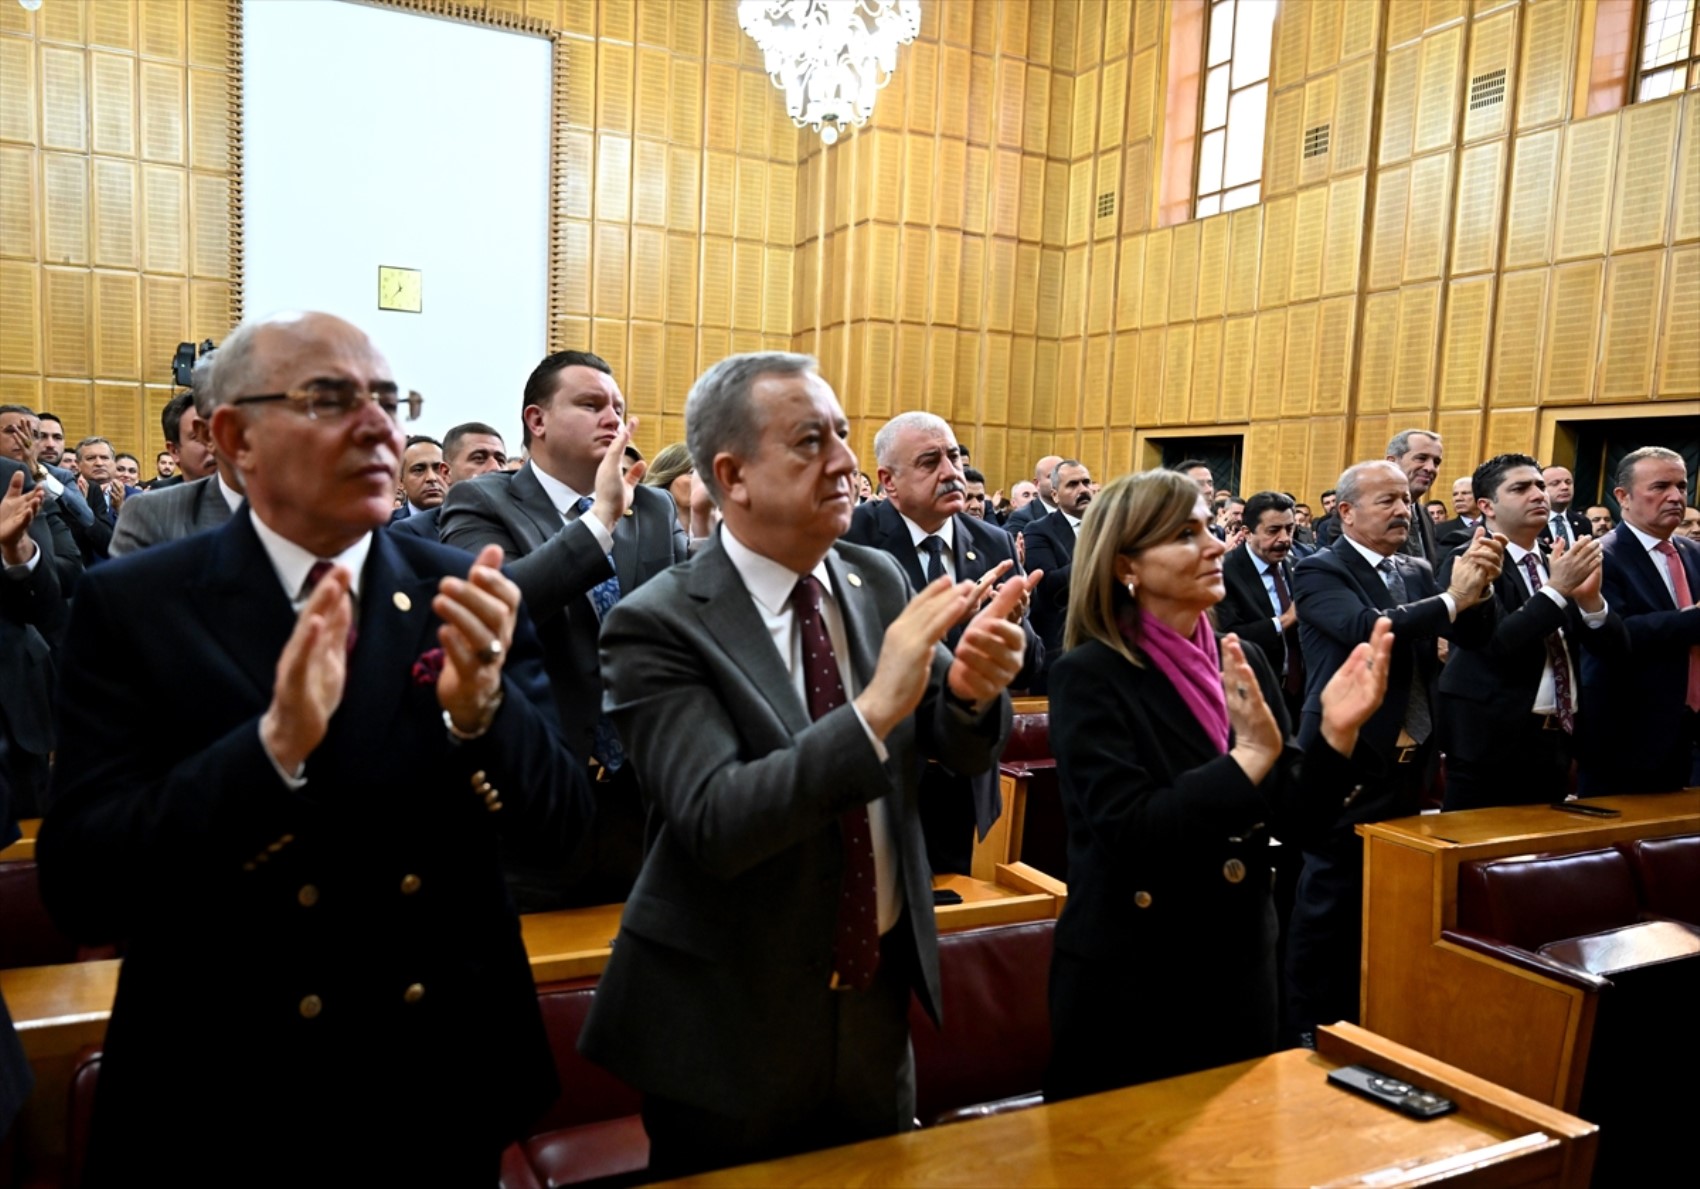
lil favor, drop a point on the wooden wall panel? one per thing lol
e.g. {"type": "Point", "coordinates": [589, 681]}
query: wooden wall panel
{"type": "Point", "coordinates": [1646, 164]}
{"type": "Point", "coordinates": [1679, 354]}
{"type": "Point", "coordinates": [1517, 338]}
{"type": "Point", "coordinates": [1533, 193]}
{"type": "Point", "coordinates": [1572, 332]}
{"type": "Point", "coordinates": [1632, 321]}
{"type": "Point", "coordinates": [1463, 365]}
{"type": "Point", "coordinates": [1584, 188]}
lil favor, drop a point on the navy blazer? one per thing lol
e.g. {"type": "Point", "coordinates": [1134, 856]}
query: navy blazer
{"type": "Point", "coordinates": [239, 898]}
{"type": "Point", "coordinates": [1636, 741]}
{"type": "Point", "coordinates": [1245, 608]}
{"type": "Point", "coordinates": [1340, 596]}
{"type": "Point", "coordinates": [1050, 547]}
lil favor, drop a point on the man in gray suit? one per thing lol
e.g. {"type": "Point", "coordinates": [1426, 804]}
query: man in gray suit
{"type": "Point", "coordinates": [182, 509]}
{"type": "Point", "coordinates": [779, 694]}
{"type": "Point", "coordinates": [578, 537]}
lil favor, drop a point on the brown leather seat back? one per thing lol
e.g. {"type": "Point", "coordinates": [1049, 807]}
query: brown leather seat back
{"type": "Point", "coordinates": [996, 1039]}
{"type": "Point", "coordinates": [1029, 738]}
{"type": "Point", "coordinates": [1529, 900]}
{"type": "Point", "coordinates": [589, 1093]}
{"type": "Point", "coordinates": [1669, 873]}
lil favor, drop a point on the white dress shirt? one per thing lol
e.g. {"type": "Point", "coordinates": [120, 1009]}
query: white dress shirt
{"type": "Point", "coordinates": [566, 501]}
{"type": "Point", "coordinates": [770, 585]}
{"type": "Point", "coordinates": [232, 498]}
{"type": "Point", "coordinates": [946, 533]}
{"type": "Point", "coordinates": [1546, 696]}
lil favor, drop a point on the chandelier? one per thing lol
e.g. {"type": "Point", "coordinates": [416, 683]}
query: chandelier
{"type": "Point", "coordinates": [830, 57]}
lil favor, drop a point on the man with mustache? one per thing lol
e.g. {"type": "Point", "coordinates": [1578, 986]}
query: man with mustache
{"type": "Point", "coordinates": [1340, 593]}
{"type": "Point", "coordinates": [1050, 547]}
{"type": "Point", "coordinates": [313, 840]}
{"type": "Point", "coordinates": [1258, 603]}
{"type": "Point", "coordinates": [1644, 736]}
{"type": "Point", "coordinates": [1510, 708]}
{"type": "Point", "coordinates": [1418, 453]}
{"type": "Point", "coordinates": [924, 524]}
{"type": "Point", "coordinates": [424, 478]}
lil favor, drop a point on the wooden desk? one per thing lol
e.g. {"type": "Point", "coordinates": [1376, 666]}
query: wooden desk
{"type": "Point", "coordinates": [1513, 1027]}
{"type": "Point", "coordinates": [1267, 1124]}
{"type": "Point", "coordinates": [24, 847]}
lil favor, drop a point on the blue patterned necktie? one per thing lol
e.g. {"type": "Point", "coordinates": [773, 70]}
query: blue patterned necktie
{"type": "Point", "coordinates": [1419, 723]}
{"type": "Point", "coordinates": [605, 743]}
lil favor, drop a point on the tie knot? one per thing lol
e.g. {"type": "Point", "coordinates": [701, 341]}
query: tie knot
{"type": "Point", "coordinates": [1666, 548]}
{"type": "Point", "coordinates": [1386, 566]}
{"type": "Point", "coordinates": [316, 575]}
{"type": "Point", "coordinates": [583, 505]}
{"type": "Point", "coordinates": [932, 544]}
{"type": "Point", "coordinates": [805, 596]}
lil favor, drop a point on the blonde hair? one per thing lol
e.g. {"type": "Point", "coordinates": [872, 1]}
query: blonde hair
{"type": "Point", "coordinates": [669, 464]}
{"type": "Point", "coordinates": [1130, 515]}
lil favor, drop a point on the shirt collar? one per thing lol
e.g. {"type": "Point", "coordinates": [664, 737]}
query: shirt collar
{"type": "Point", "coordinates": [1648, 542]}
{"type": "Point", "coordinates": [1517, 553]}
{"type": "Point", "coordinates": [563, 497]}
{"type": "Point", "coordinates": [1371, 556]}
{"type": "Point", "coordinates": [292, 563]}
{"type": "Point", "coordinates": [768, 582]}
{"type": "Point", "coordinates": [946, 532]}
{"type": "Point", "coordinates": [414, 509]}
{"type": "Point", "coordinates": [231, 495]}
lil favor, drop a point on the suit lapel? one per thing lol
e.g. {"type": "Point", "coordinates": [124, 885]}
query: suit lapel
{"type": "Point", "coordinates": [862, 629]}
{"type": "Point", "coordinates": [528, 493]}
{"type": "Point", "coordinates": [894, 539]}
{"type": "Point", "coordinates": [240, 602]}
{"type": "Point", "coordinates": [1364, 574]}
{"type": "Point", "coordinates": [729, 616]}
{"type": "Point", "coordinates": [968, 554]}
{"type": "Point", "coordinates": [1642, 569]}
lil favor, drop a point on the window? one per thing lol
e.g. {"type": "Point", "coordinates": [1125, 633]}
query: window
{"type": "Point", "coordinates": [1236, 103]}
{"type": "Point", "coordinates": [1670, 49]}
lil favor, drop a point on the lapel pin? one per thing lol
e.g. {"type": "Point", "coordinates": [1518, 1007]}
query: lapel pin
{"type": "Point", "coordinates": [401, 601]}
{"type": "Point", "coordinates": [853, 579]}
{"type": "Point", "coordinates": [969, 555]}
{"type": "Point", "coordinates": [628, 511]}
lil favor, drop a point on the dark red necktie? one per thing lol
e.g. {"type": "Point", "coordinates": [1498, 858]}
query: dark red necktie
{"type": "Point", "coordinates": [1555, 654]}
{"type": "Point", "coordinates": [314, 577]}
{"type": "Point", "coordinates": [856, 944]}
{"type": "Point", "coordinates": [1294, 682]}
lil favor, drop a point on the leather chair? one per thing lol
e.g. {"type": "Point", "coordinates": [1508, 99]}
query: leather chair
{"type": "Point", "coordinates": [1032, 829]}
{"type": "Point", "coordinates": [594, 1133]}
{"type": "Point", "coordinates": [1668, 870]}
{"type": "Point", "coordinates": [1529, 900]}
{"type": "Point", "coordinates": [991, 1055]}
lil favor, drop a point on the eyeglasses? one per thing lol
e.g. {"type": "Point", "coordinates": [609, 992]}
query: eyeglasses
{"type": "Point", "coordinates": [330, 400]}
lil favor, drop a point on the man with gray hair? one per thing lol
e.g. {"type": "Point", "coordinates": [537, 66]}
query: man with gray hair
{"type": "Point", "coordinates": [780, 693]}
{"type": "Point", "coordinates": [1049, 544]}
{"type": "Point", "coordinates": [924, 525]}
{"type": "Point", "coordinates": [195, 505]}
{"type": "Point", "coordinates": [1643, 735]}
{"type": "Point", "coordinates": [1340, 593]}
{"type": "Point", "coordinates": [1418, 453]}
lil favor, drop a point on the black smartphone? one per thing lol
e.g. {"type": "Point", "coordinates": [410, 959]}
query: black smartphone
{"type": "Point", "coordinates": [1391, 1092]}
{"type": "Point", "coordinates": [946, 896]}
{"type": "Point", "coordinates": [1586, 810]}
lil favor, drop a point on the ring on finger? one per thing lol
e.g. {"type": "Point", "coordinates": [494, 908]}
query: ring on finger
{"type": "Point", "coordinates": [490, 652]}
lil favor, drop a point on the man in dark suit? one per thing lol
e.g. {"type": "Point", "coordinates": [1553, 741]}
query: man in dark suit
{"type": "Point", "coordinates": [32, 614]}
{"type": "Point", "coordinates": [1641, 731]}
{"type": "Point", "coordinates": [1341, 592]}
{"type": "Point", "coordinates": [1567, 523]}
{"type": "Point", "coordinates": [922, 523]}
{"type": "Point", "coordinates": [424, 478]}
{"type": "Point", "coordinates": [469, 450]}
{"type": "Point", "coordinates": [1419, 453]}
{"type": "Point", "coordinates": [1258, 603]}
{"type": "Point", "coordinates": [577, 537]}
{"type": "Point", "coordinates": [314, 849]}
{"type": "Point", "coordinates": [780, 694]}
{"type": "Point", "coordinates": [1458, 530]}
{"type": "Point", "coordinates": [1510, 705]}
{"type": "Point", "coordinates": [1041, 505]}
{"type": "Point", "coordinates": [1050, 548]}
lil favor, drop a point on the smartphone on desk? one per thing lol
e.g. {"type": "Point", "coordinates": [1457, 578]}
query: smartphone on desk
{"type": "Point", "coordinates": [1391, 1092]}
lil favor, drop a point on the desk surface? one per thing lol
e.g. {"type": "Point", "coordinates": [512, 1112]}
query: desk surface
{"type": "Point", "coordinates": [1542, 825]}
{"type": "Point", "coordinates": [1266, 1123]}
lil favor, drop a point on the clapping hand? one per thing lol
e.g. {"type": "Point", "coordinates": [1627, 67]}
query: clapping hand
{"type": "Point", "coordinates": [1357, 688]}
{"type": "Point", "coordinates": [478, 614]}
{"type": "Point", "coordinates": [613, 493]}
{"type": "Point", "coordinates": [993, 646]}
{"type": "Point", "coordinates": [310, 674]}
{"type": "Point", "coordinates": [18, 509]}
{"type": "Point", "coordinates": [1575, 571]}
{"type": "Point", "coordinates": [1257, 737]}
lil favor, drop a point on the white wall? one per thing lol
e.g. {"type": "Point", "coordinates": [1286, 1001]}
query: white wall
{"type": "Point", "coordinates": [372, 136]}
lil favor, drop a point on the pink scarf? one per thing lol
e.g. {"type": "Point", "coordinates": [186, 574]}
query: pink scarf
{"type": "Point", "coordinates": [1192, 666]}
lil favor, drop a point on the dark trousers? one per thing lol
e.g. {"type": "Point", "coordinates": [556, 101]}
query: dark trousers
{"type": "Point", "coordinates": [1527, 766]}
{"type": "Point", "coordinates": [605, 865]}
{"type": "Point", "coordinates": [869, 1091]}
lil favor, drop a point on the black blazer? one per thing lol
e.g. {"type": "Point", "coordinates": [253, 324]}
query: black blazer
{"type": "Point", "coordinates": [1050, 547]}
{"type": "Point", "coordinates": [1489, 685]}
{"type": "Point", "coordinates": [1245, 607]}
{"type": "Point", "coordinates": [1340, 596]}
{"type": "Point", "coordinates": [555, 565]}
{"type": "Point", "coordinates": [238, 898]}
{"type": "Point", "coordinates": [1450, 534]}
{"type": "Point", "coordinates": [423, 526]}
{"type": "Point", "coordinates": [1169, 869]}
{"type": "Point", "coordinates": [1635, 740]}
{"type": "Point", "coordinates": [1580, 527]}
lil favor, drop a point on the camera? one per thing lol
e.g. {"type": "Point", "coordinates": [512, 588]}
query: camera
{"type": "Point", "coordinates": [183, 362]}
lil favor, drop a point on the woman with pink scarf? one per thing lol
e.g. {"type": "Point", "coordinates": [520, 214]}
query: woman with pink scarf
{"type": "Point", "coordinates": [1175, 763]}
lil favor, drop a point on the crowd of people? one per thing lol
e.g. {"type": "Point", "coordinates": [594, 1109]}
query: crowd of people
{"type": "Point", "coordinates": [758, 694]}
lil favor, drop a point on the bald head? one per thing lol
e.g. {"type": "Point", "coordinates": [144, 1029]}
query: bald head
{"type": "Point", "coordinates": [243, 364]}
{"type": "Point", "coordinates": [1042, 472]}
